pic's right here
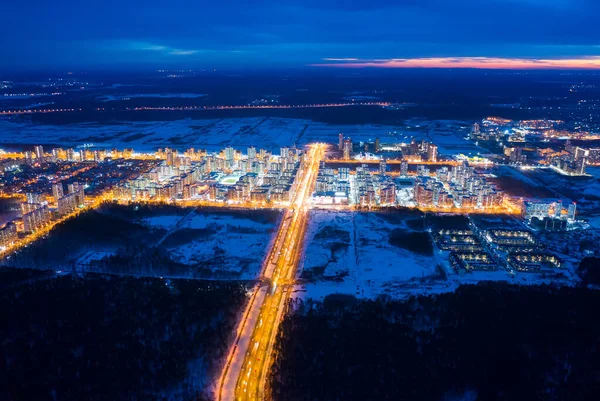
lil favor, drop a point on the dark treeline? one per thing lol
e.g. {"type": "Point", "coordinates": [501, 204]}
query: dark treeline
{"type": "Point", "coordinates": [589, 271]}
{"type": "Point", "coordinates": [492, 341]}
{"type": "Point", "coordinates": [417, 242]}
{"type": "Point", "coordinates": [140, 210]}
{"type": "Point", "coordinates": [99, 338]}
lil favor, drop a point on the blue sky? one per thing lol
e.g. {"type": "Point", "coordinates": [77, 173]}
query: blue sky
{"type": "Point", "coordinates": [268, 33]}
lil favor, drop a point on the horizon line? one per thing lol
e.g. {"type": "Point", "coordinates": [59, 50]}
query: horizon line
{"type": "Point", "coordinates": [489, 63]}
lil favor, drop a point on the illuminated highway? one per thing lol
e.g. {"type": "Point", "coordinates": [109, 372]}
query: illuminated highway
{"type": "Point", "coordinates": [509, 207]}
{"type": "Point", "coordinates": [265, 106]}
{"type": "Point", "coordinates": [203, 108]}
{"type": "Point", "coordinates": [246, 368]}
{"type": "Point", "coordinates": [35, 111]}
{"type": "Point", "coordinates": [392, 161]}
{"type": "Point", "coordinates": [247, 205]}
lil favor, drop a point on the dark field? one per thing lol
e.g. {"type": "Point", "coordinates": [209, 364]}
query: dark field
{"type": "Point", "coordinates": [485, 342]}
{"type": "Point", "coordinates": [417, 242]}
{"type": "Point", "coordinates": [513, 186]}
{"type": "Point", "coordinates": [459, 95]}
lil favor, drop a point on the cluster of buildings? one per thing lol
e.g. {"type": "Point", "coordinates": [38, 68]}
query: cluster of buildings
{"type": "Point", "coordinates": [517, 249]}
{"type": "Point", "coordinates": [38, 209]}
{"type": "Point", "coordinates": [456, 240]}
{"type": "Point", "coordinates": [35, 212]}
{"type": "Point", "coordinates": [420, 151]}
{"type": "Point", "coordinates": [8, 235]}
{"type": "Point", "coordinates": [459, 186]}
{"type": "Point", "coordinates": [508, 239]}
{"type": "Point", "coordinates": [361, 187]}
{"type": "Point", "coordinates": [550, 216]}
{"type": "Point", "coordinates": [533, 262]}
{"type": "Point", "coordinates": [488, 249]}
{"type": "Point", "coordinates": [88, 154]}
{"type": "Point", "coordinates": [490, 128]}
{"type": "Point", "coordinates": [517, 131]}
{"type": "Point", "coordinates": [374, 189]}
{"type": "Point", "coordinates": [514, 155]}
{"type": "Point", "coordinates": [521, 250]}
{"type": "Point", "coordinates": [345, 146]}
{"type": "Point", "coordinates": [70, 155]}
{"type": "Point", "coordinates": [73, 199]}
{"type": "Point", "coordinates": [332, 186]}
{"type": "Point", "coordinates": [467, 252]}
{"type": "Point", "coordinates": [227, 176]}
{"type": "Point", "coordinates": [472, 261]}
{"type": "Point", "coordinates": [570, 161]}
{"type": "Point", "coordinates": [585, 156]}
{"type": "Point", "coordinates": [365, 186]}
{"type": "Point", "coordinates": [573, 160]}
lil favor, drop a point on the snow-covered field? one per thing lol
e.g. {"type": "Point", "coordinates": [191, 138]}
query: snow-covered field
{"type": "Point", "coordinates": [354, 254]}
{"type": "Point", "coordinates": [448, 135]}
{"type": "Point", "coordinates": [591, 188]}
{"type": "Point", "coordinates": [350, 253]}
{"type": "Point", "coordinates": [213, 134]}
{"type": "Point", "coordinates": [109, 98]}
{"type": "Point", "coordinates": [225, 243]}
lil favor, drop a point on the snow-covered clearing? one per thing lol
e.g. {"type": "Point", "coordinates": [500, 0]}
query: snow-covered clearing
{"type": "Point", "coordinates": [235, 243]}
{"type": "Point", "coordinates": [214, 134]}
{"type": "Point", "coordinates": [355, 253]}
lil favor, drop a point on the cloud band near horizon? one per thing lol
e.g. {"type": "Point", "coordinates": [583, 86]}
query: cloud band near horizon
{"type": "Point", "coordinates": [496, 63]}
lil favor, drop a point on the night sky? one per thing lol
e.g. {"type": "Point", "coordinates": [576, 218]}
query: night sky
{"type": "Point", "coordinates": [269, 33]}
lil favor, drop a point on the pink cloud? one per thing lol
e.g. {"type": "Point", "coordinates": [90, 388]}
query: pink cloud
{"type": "Point", "coordinates": [468, 62]}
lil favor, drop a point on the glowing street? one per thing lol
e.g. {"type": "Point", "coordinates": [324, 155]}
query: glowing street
{"type": "Point", "coordinates": [247, 366]}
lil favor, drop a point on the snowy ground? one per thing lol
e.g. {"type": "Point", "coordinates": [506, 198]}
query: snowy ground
{"type": "Point", "coordinates": [546, 184]}
{"type": "Point", "coordinates": [353, 253]}
{"type": "Point", "coordinates": [215, 134]}
{"type": "Point", "coordinates": [223, 242]}
{"type": "Point", "coordinates": [109, 98]}
{"type": "Point", "coordinates": [350, 253]}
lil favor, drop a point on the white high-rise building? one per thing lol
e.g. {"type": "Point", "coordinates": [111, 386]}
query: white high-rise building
{"type": "Point", "coordinates": [347, 149]}
{"type": "Point", "coordinates": [382, 167]}
{"type": "Point", "coordinates": [57, 190]}
{"type": "Point", "coordinates": [571, 211]}
{"type": "Point", "coordinates": [229, 156]}
{"type": "Point", "coordinates": [39, 152]}
{"type": "Point", "coordinates": [404, 168]}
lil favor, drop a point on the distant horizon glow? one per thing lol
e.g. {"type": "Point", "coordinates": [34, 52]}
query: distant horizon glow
{"type": "Point", "coordinates": [492, 63]}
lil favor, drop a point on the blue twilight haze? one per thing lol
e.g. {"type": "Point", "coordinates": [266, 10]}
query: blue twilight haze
{"type": "Point", "coordinates": [270, 33]}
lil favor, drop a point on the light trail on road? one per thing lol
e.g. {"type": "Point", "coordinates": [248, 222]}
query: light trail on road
{"type": "Point", "coordinates": [35, 111]}
{"type": "Point", "coordinates": [259, 107]}
{"type": "Point", "coordinates": [392, 161]}
{"type": "Point", "coordinates": [246, 368]}
{"type": "Point", "coordinates": [201, 108]}
{"type": "Point", "coordinates": [245, 372]}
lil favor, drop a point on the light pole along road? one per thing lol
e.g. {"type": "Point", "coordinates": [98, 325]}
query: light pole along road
{"type": "Point", "coordinates": [247, 365]}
